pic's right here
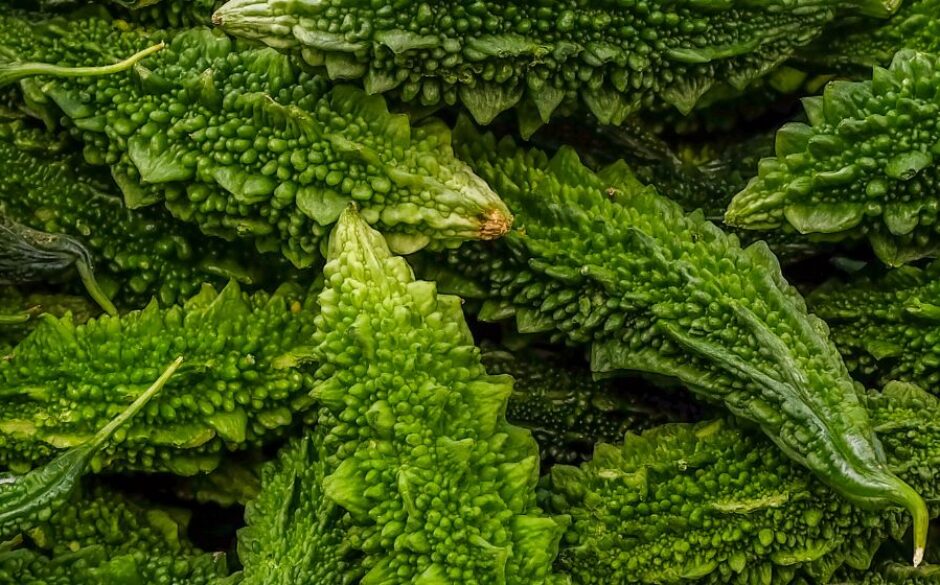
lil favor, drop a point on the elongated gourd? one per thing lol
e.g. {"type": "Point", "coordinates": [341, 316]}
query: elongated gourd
{"type": "Point", "coordinates": [599, 260]}
{"type": "Point", "coordinates": [717, 503]}
{"type": "Point", "coordinates": [245, 142]}
{"type": "Point", "coordinates": [890, 573]}
{"type": "Point", "coordinates": [886, 326]}
{"type": "Point", "coordinates": [615, 57]}
{"type": "Point", "coordinates": [105, 536]}
{"type": "Point", "coordinates": [242, 382]}
{"type": "Point", "coordinates": [35, 496]}
{"type": "Point", "coordinates": [568, 412]}
{"type": "Point", "coordinates": [433, 485]}
{"type": "Point", "coordinates": [864, 165]}
{"type": "Point", "coordinates": [30, 256]}
{"type": "Point", "coordinates": [142, 252]}
{"type": "Point", "coordinates": [20, 311]}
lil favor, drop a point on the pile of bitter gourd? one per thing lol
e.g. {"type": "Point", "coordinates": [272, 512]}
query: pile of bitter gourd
{"type": "Point", "coordinates": [538, 292]}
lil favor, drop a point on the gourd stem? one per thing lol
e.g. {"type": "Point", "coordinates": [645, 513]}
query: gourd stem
{"type": "Point", "coordinates": [11, 72]}
{"type": "Point", "coordinates": [94, 291]}
{"type": "Point", "coordinates": [105, 433]}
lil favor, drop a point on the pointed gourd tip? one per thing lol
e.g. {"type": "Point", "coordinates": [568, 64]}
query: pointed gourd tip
{"type": "Point", "coordinates": [918, 556]}
{"type": "Point", "coordinates": [217, 18]}
{"type": "Point", "coordinates": [495, 224]}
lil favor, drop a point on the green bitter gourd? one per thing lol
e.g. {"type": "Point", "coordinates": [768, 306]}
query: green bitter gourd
{"type": "Point", "coordinates": [141, 252]}
{"type": "Point", "coordinates": [433, 485]}
{"type": "Point", "coordinates": [864, 165]}
{"type": "Point", "coordinates": [241, 384]}
{"type": "Point", "coordinates": [715, 502]}
{"type": "Point", "coordinates": [601, 260]}
{"type": "Point", "coordinates": [614, 56]}
{"type": "Point", "coordinates": [107, 537]}
{"type": "Point", "coordinates": [245, 142]}
{"type": "Point", "coordinates": [887, 327]}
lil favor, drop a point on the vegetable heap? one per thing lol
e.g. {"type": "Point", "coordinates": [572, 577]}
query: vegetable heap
{"type": "Point", "coordinates": [307, 292]}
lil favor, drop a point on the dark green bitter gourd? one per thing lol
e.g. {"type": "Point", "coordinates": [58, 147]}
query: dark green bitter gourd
{"type": "Point", "coordinates": [33, 497]}
{"type": "Point", "coordinates": [568, 412]}
{"type": "Point", "coordinates": [30, 256]}
{"type": "Point", "coordinates": [247, 143]}
{"type": "Point", "coordinates": [104, 536]}
{"type": "Point", "coordinates": [887, 326]}
{"type": "Point", "coordinates": [141, 253]}
{"type": "Point", "coordinates": [615, 56]}
{"type": "Point", "coordinates": [715, 502]}
{"type": "Point", "coordinates": [240, 387]}
{"type": "Point", "coordinates": [864, 165]}
{"type": "Point", "coordinates": [601, 261]}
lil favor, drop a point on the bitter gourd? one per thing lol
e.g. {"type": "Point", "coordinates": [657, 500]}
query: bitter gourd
{"type": "Point", "coordinates": [433, 484]}
{"type": "Point", "coordinates": [615, 56]}
{"type": "Point", "coordinates": [20, 311]}
{"type": "Point", "coordinates": [568, 412]}
{"type": "Point", "coordinates": [29, 256]}
{"type": "Point", "coordinates": [35, 496]}
{"type": "Point", "coordinates": [864, 165]}
{"type": "Point", "coordinates": [886, 327]}
{"type": "Point", "coordinates": [240, 384]}
{"type": "Point", "coordinates": [141, 252]}
{"type": "Point", "coordinates": [245, 142]}
{"type": "Point", "coordinates": [107, 537]}
{"type": "Point", "coordinates": [890, 573]}
{"type": "Point", "coordinates": [862, 43]}
{"type": "Point", "coordinates": [600, 260]}
{"type": "Point", "coordinates": [717, 503]}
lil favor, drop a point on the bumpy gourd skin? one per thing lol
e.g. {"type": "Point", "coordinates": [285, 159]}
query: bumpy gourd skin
{"type": "Point", "coordinates": [568, 412]}
{"type": "Point", "coordinates": [244, 142]}
{"type": "Point", "coordinates": [294, 533]}
{"type": "Point", "coordinates": [106, 537]}
{"type": "Point", "coordinates": [886, 327]}
{"type": "Point", "coordinates": [435, 485]}
{"type": "Point", "coordinates": [890, 573]}
{"type": "Point", "coordinates": [144, 253]}
{"type": "Point", "coordinates": [598, 260]}
{"type": "Point", "coordinates": [615, 56]}
{"type": "Point", "coordinates": [240, 383]}
{"type": "Point", "coordinates": [864, 165]}
{"type": "Point", "coordinates": [862, 43]}
{"type": "Point", "coordinates": [20, 311]}
{"type": "Point", "coordinates": [715, 503]}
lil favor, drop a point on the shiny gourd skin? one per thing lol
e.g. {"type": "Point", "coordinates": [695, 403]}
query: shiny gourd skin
{"type": "Point", "coordinates": [716, 503]}
{"type": "Point", "coordinates": [140, 252]}
{"type": "Point", "coordinates": [864, 165]}
{"type": "Point", "coordinates": [614, 56]}
{"type": "Point", "coordinates": [240, 384]}
{"type": "Point", "coordinates": [568, 411]}
{"type": "Point", "coordinates": [245, 142]}
{"type": "Point", "coordinates": [886, 326]}
{"type": "Point", "coordinates": [599, 260]}
{"type": "Point", "coordinates": [104, 536]}
{"type": "Point", "coordinates": [433, 484]}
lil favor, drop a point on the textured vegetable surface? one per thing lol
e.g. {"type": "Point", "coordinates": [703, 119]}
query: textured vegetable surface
{"type": "Point", "coordinates": [106, 537]}
{"type": "Point", "coordinates": [19, 311]}
{"type": "Point", "coordinates": [721, 504]}
{"type": "Point", "coordinates": [35, 496]}
{"type": "Point", "coordinates": [887, 327]}
{"type": "Point", "coordinates": [413, 440]}
{"type": "Point", "coordinates": [244, 142]}
{"type": "Point", "coordinates": [239, 386]}
{"type": "Point", "coordinates": [890, 574]}
{"type": "Point", "coordinates": [866, 42]}
{"type": "Point", "coordinates": [568, 412]}
{"type": "Point", "coordinates": [143, 252]}
{"type": "Point", "coordinates": [863, 165]}
{"type": "Point", "coordinates": [616, 57]}
{"type": "Point", "coordinates": [30, 256]}
{"type": "Point", "coordinates": [612, 264]}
